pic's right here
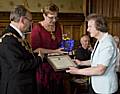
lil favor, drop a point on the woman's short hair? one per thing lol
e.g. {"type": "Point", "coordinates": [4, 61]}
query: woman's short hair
{"type": "Point", "coordinates": [117, 40]}
{"type": "Point", "coordinates": [51, 7]}
{"type": "Point", "coordinates": [100, 22]}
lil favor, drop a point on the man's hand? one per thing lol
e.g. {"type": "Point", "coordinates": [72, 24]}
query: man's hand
{"type": "Point", "coordinates": [37, 50]}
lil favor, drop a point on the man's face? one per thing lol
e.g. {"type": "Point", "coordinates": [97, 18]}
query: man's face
{"type": "Point", "coordinates": [27, 22]}
{"type": "Point", "coordinates": [92, 29]}
{"type": "Point", "coordinates": [85, 41]}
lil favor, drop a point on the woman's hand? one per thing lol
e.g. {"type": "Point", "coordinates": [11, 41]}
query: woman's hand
{"type": "Point", "coordinates": [60, 51]}
{"type": "Point", "coordinates": [83, 63]}
{"type": "Point", "coordinates": [73, 70]}
{"type": "Point", "coordinates": [78, 62]}
{"type": "Point", "coordinates": [48, 51]}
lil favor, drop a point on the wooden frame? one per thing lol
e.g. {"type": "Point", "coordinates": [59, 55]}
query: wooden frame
{"type": "Point", "coordinates": [60, 62]}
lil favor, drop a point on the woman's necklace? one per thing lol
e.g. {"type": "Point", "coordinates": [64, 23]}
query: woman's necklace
{"type": "Point", "coordinates": [50, 28]}
{"type": "Point", "coordinates": [53, 35]}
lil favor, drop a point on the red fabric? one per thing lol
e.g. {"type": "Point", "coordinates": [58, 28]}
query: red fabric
{"type": "Point", "coordinates": [42, 38]}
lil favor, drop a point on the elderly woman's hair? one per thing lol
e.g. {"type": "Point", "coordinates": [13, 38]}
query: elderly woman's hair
{"type": "Point", "coordinates": [100, 22]}
{"type": "Point", "coordinates": [117, 40]}
{"type": "Point", "coordinates": [51, 7]}
{"type": "Point", "coordinates": [17, 12]}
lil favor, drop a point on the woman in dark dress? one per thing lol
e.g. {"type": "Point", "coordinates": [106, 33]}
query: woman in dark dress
{"type": "Point", "coordinates": [47, 36]}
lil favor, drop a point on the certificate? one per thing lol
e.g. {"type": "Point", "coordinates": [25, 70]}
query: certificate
{"type": "Point", "coordinates": [60, 62]}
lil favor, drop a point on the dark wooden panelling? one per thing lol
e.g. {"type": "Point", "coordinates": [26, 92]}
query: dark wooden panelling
{"type": "Point", "coordinates": [111, 10]}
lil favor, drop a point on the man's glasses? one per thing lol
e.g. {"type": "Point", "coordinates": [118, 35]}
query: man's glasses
{"type": "Point", "coordinates": [30, 20]}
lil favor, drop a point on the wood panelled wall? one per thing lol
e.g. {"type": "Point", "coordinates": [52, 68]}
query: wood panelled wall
{"type": "Point", "coordinates": [72, 24]}
{"type": "Point", "coordinates": [111, 10]}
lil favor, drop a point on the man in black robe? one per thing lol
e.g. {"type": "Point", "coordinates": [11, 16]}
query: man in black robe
{"type": "Point", "coordinates": [18, 62]}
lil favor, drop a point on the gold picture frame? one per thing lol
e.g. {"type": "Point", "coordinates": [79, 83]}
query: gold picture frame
{"type": "Point", "coordinates": [60, 62]}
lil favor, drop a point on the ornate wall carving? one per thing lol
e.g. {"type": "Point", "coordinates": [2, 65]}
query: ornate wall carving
{"type": "Point", "coordinates": [66, 6]}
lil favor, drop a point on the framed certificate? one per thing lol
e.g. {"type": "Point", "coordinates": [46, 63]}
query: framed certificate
{"type": "Point", "coordinates": [60, 62]}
